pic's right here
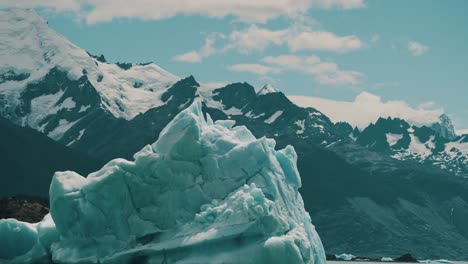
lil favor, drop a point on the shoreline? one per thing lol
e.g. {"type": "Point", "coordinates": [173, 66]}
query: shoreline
{"type": "Point", "coordinates": [406, 258]}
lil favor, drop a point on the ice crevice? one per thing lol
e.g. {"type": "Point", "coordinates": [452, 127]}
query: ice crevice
{"type": "Point", "coordinates": [205, 192]}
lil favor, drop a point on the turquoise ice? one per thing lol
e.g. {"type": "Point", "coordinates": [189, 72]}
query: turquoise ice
{"type": "Point", "coordinates": [205, 192]}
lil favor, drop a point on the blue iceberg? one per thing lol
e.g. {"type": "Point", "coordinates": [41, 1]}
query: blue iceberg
{"type": "Point", "coordinates": [205, 192]}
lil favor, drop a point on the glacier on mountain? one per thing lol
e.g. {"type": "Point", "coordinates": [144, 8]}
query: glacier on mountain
{"type": "Point", "coordinates": [204, 192]}
{"type": "Point", "coordinates": [31, 49]}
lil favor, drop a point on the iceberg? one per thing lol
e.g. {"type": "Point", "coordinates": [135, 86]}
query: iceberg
{"type": "Point", "coordinates": [204, 192]}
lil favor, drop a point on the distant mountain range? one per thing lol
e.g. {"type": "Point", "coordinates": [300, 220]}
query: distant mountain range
{"type": "Point", "coordinates": [386, 190]}
{"type": "Point", "coordinates": [435, 145]}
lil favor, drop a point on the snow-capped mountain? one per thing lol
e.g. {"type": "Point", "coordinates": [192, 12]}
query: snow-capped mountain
{"type": "Point", "coordinates": [435, 145]}
{"type": "Point", "coordinates": [33, 57]}
{"type": "Point", "coordinates": [55, 87]}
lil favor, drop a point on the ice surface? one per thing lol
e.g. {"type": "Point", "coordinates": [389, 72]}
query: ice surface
{"type": "Point", "coordinates": [345, 256]}
{"type": "Point", "coordinates": [16, 238]}
{"type": "Point", "coordinates": [205, 192]}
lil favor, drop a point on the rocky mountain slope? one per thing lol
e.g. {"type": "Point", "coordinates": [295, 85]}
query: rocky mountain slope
{"type": "Point", "coordinates": [27, 209]}
{"type": "Point", "coordinates": [28, 159]}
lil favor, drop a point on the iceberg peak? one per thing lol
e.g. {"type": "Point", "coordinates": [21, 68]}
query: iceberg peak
{"type": "Point", "coordinates": [204, 192]}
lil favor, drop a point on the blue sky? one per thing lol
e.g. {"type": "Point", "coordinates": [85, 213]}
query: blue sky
{"type": "Point", "coordinates": [399, 50]}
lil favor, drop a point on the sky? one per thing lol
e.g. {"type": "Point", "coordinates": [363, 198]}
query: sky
{"type": "Point", "coordinates": [410, 52]}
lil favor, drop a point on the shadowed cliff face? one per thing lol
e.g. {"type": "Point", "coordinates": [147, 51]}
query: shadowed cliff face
{"type": "Point", "coordinates": [29, 159]}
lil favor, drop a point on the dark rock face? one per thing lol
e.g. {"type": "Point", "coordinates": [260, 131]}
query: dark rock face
{"type": "Point", "coordinates": [27, 209]}
{"type": "Point", "coordinates": [235, 95]}
{"type": "Point", "coordinates": [13, 76]}
{"type": "Point", "coordinates": [444, 128]}
{"type": "Point", "coordinates": [100, 58]}
{"type": "Point", "coordinates": [374, 136]}
{"type": "Point", "coordinates": [406, 258]}
{"type": "Point", "coordinates": [124, 65]}
{"type": "Point", "coordinates": [181, 92]}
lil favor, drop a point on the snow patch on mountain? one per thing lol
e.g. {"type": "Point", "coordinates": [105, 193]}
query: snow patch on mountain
{"type": "Point", "coordinates": [418, 148]}
{"type": "Point", "coordinates": [273, 117]}
{"type": "Point", "coordinates": [250, 115]}
{"type": "Point", "coordinates": [43, 106]}
{"type": "Point", "coordinates": [266, 89]}
{"type": "Point", "coordinates": [117, 86]}
{"type": "Point", "coordinates": [457, 147]}
{"type": "Point", "coordinates": [233, 111]}
{"type": "Point", "coordinates": [301, 125]}
{"type": "Point", "coordinates": [393, 139]}
{"type": "Point", "coordinates": [63, 126]}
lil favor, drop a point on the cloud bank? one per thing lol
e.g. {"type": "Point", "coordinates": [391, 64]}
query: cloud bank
{"type": "Point", "coordinates": [367, 108]}
{"type": "Point", "coordinates": [298, 37]}
{"type": "Point", "coordinates": [259, 11]}
{"type": "Point", "coordinates": [323, 72]}
{"type": "Point", "coordinates": [416, 48]}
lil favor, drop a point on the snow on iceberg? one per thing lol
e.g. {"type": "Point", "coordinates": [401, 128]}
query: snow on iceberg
{"type": "Point", "coordinates": [205, 192]}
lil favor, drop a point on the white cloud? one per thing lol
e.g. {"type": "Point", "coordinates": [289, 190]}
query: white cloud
{"type": "Point", "coordinates": [58, 5]}
{"type": "Point", "coordinates": [416, 48]}
{"type": "Point", "coordinates": [197, 56]}
{"type": "Point", "coordinates": [259, 11]}
{"type": "Point", "coordinates": [253, 68]}
{"type": "Point", "coordinates": [375, 38]}
{"type": "Point", "coordinates": [297, 37]}
{"type": "Point", "coordinates": [254, 38]}
{"type": "Point", "coordinates": [367, 108]}
{"type": "Point", "coordinates": [342, 4]}
{"type": "Point", "coordinates": [191, 57]}
{"type": "Point", "coordinates": [323, 40]}
{"type": "Point", "coordinates": [324, 72]}
{"type": "Point", "coordinates": [214, 85]}
{"type": "Point", "coordinates": [461, 131]}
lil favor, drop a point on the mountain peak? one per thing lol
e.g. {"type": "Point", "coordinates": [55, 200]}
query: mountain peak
{"type": "Point", "coordinates": [444, 127]}
{"type": "Point", "coordinates": [266, 89]}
